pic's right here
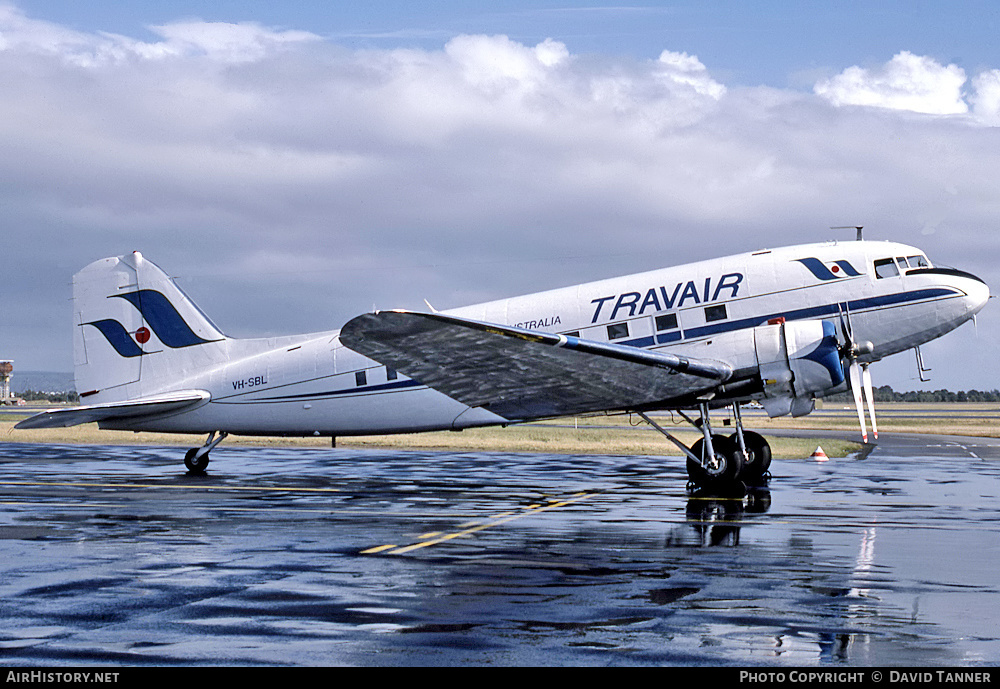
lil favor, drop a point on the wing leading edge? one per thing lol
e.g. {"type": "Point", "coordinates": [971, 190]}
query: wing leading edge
{"type": "Point", "coordinates": [525, 374]}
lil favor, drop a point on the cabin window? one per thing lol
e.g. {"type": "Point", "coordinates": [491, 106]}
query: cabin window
{"type": "Point", "coordinates": [886, 268]}
{"type": "Point", "coordinates": [575, 333]}
{"type": "Point", "coordinates": [617, 331]}
{"type": "Point", "coordinates": [360, 378]}
{"type": "Point", "coordinates": [667, 321]}
{"type": "Point", "coordinates": [715, 313]}
{"type": "Point", "coordinates": [390, 373]}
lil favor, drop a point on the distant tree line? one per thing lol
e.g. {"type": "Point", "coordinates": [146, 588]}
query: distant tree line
{"type": "Point", "coordinates": [37, 396]}
{"type": "Point", "coordinates": [885, 393]}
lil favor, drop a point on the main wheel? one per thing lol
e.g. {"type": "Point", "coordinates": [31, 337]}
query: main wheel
{"type": "Point", "coordinates": [723, 467]}
{"type": "Point", "coordinates": [758, 456]}
{"type": "Point", "coordinates": [194, 464]}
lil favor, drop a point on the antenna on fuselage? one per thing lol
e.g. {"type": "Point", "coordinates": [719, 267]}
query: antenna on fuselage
{"type": "Point", "coordinates": [850, 227]}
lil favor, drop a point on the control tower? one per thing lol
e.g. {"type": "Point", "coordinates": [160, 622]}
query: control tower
{"type": "Point", "coordinates": [6, 368]}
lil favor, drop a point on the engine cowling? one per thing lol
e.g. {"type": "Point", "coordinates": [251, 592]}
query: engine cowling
{"type": "Point", "coordinates": [798, 360]}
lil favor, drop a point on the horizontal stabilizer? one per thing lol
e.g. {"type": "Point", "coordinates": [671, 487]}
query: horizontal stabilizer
{"type": "Point", "coordinates": [148, 406]}
{"type": "Point", "coordinates": [522, 374]}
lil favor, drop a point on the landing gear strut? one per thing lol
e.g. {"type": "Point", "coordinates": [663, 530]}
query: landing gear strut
{"type": "Point", "coordinates": [755, 449]}
{"type": "Point", "coordinates": [720, 462]}
{"type": "Point", "coordinates": [716, 461]}
{"type": "Point", "coordinates": [758, 453]}
{"type": "Point", "coordinates": [196, 459]}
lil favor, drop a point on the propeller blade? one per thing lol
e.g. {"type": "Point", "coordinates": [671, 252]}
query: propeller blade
{"type": "Point", "coordinates": [856, 389]}
{"type": "Point", "coordinates": [866, 378]}
{"type": "Point", "coordinates": [845, 327]}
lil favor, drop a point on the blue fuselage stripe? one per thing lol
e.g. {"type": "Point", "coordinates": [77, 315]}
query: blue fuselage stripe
{"type": "Point", "coordinates": [649, 341]}
{"type": "Point", "coordinates": [819, 311]}
{"type": "Point", "coordinates": [367, 389]}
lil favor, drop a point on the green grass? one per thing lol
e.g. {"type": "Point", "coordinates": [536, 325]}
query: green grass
{"type": "Point", "coordinates": [599, 435]}
{"type": "Point", "coordinates": [615, 435]}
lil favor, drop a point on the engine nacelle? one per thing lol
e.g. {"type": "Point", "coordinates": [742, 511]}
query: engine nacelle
{"type": "Point", "coordinates": [798, 360]}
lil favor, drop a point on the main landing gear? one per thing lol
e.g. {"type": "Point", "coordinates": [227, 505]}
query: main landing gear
{"type": "Point", "coordinates": [196, 459]}
{"type": "Point", "coordinates": [717, 461]}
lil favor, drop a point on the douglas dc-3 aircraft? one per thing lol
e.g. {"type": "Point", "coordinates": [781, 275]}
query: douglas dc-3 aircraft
{"type": "Point", "coordinates": [781, 327]}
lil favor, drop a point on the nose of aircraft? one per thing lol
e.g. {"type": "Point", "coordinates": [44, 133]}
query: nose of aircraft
{"type": "Point", "coordinates": [977, 292]}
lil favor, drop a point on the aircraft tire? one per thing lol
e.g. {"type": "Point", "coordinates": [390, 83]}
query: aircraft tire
{"type": "Point", "coordinates": [759, 451]}
{"type": "Point", "coordinates": [726, 467]}
{"type": "Point", "coordinates": [195, 466]}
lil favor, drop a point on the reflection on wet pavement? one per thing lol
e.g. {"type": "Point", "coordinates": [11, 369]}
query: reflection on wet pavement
{"type": "Point", "coordinates": [379, 557]}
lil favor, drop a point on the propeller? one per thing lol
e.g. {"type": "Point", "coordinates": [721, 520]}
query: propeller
{"type": "Point", "coordinates": [866, 383]}
{"type": "Point", "coordinates": [861, 377]}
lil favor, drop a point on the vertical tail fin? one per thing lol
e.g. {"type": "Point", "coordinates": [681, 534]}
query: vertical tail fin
{"type": "Point", "coordinates": [135, 332]}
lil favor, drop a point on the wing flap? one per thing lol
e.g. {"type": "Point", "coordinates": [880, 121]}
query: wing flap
{"type": "Point", "coordinates": [523, 374]}
{"type": "Point", "coordinates": [146, 406]}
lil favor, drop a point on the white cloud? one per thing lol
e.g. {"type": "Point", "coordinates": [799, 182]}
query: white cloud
{"type": "Point", "coordinates": [496, 62]}
{"type": "Point", "coordinates": [232, 43]}
{"type": "Point", "coordinates": [18, 32]}
{"type": "Point", "coordinates": [986, 100]}
{"type": "Point", "coordinates": [907, 82]}
{"type": "Point", "coordinates": [917, 84]}
{"type": "Point", "coordinates": [687, 70]}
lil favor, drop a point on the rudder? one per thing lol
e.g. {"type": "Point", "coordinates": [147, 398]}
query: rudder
{"type": "Point", "coordinates": [135, 332]}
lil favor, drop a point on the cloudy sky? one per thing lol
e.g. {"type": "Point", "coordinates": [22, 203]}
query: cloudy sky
{"type": "Point", "coordinates": [295, 164]}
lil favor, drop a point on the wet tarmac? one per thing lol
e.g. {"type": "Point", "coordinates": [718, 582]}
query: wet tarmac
{"type": "Point", "coordinates": [112, 555]}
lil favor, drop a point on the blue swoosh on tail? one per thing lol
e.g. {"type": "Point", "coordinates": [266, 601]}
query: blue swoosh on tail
{"type": "Point", "coordinates": [163, 318]}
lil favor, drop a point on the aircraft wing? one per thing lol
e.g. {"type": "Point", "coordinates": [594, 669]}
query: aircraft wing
{"type": "Point", "coordinates": [524, 374]}
{"type": "Point", "coordinates": [146, 406]}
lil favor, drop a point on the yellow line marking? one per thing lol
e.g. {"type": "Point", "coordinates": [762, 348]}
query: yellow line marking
{"type": "Point", "coordinates": [473, 527]}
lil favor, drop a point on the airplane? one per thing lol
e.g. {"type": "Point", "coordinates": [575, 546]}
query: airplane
{"type": "Point", "coordinates": [779, 327]}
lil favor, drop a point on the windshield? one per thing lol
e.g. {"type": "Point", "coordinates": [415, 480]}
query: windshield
{"type": "Point", "coordinates": [891, 267]}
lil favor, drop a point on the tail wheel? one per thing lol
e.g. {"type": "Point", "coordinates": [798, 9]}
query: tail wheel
{"type": "Point", "coordinates": [724, 466]}
{"type": "Point", "coordinates": [758, 456]}
{"type": "Point", "coordinates": [195, 464]}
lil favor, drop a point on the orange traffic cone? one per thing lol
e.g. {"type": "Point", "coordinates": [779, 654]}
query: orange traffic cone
{"type": "Point", "coordinates": [819, 455]}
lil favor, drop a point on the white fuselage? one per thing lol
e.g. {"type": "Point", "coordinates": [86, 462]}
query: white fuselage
{"type": "Point", "coordinates": [312, 384]}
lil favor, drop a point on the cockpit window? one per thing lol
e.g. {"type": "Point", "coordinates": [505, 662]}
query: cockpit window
{"type": "Point", "coordinates": [918, 261]}
{"type": "Point", "coordinates": [886, 268]}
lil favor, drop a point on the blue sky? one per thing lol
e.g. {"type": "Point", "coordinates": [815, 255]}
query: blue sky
{"type": "Point", "coordinates": [779, 43]}
{"type": "Point", "coordinates": [294, 164]}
